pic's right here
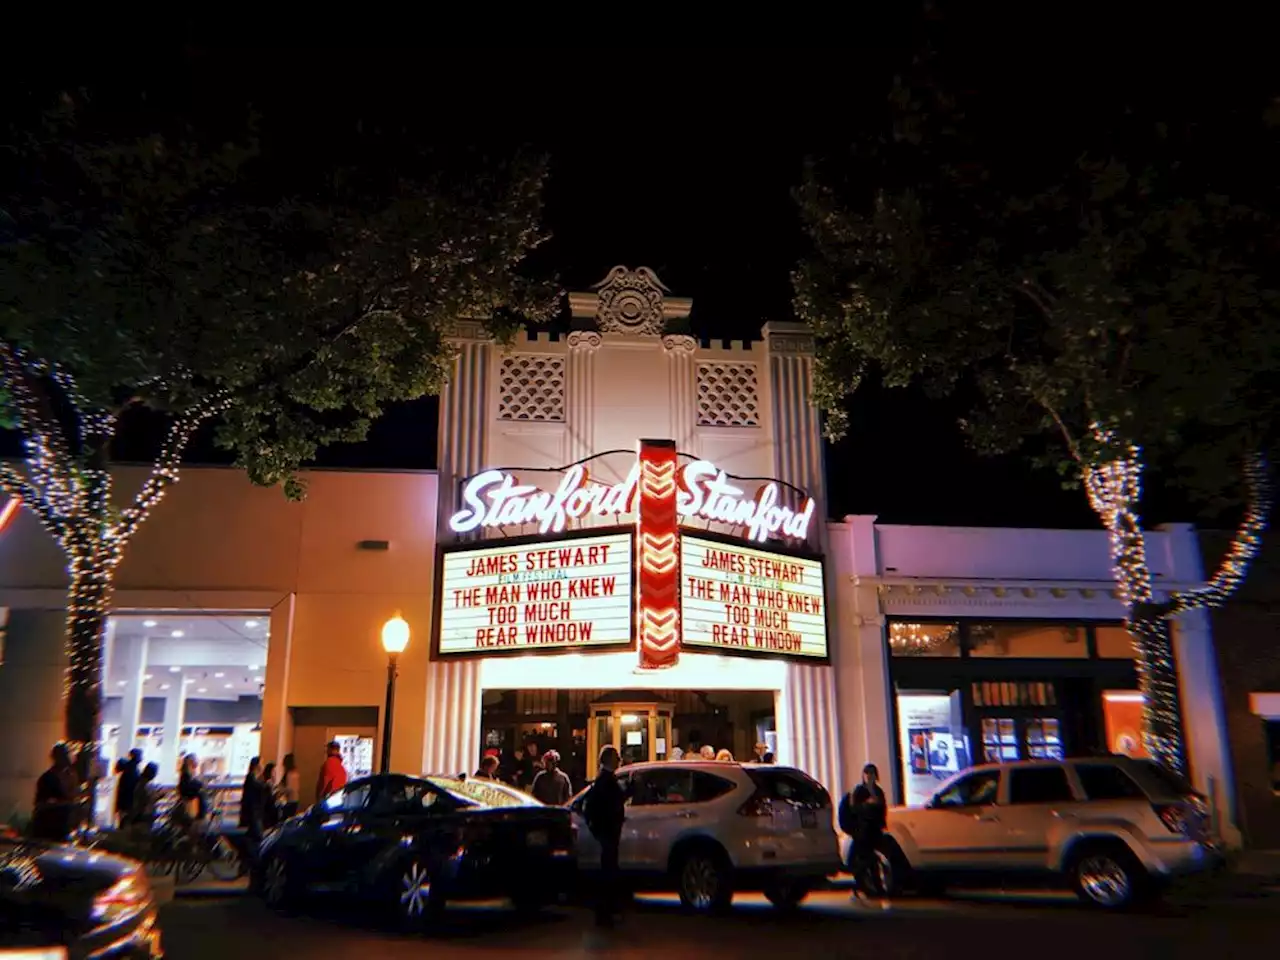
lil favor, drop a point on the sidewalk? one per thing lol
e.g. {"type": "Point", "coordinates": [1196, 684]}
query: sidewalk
{"type": "Point", "coordinates": [1262, 864]}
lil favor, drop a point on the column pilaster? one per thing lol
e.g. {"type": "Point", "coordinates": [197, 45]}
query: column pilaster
{"type": "Point", "coordinates": [681, 389]}
{"type": "Point", "coordinates": [581, 383]}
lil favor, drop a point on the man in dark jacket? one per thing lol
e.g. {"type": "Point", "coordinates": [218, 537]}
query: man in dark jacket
{"type": "Point", "coordinates": [129, 772]}
{"type": "Point", "coordinates": [605, 810]}
{"type": "Point", "coordinates": [864, 816]}
{"type": "Point", "coordinates": [57, 798]}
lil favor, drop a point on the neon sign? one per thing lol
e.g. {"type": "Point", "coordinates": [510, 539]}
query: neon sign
{"type": "Point", "coordinates": [496, 499]}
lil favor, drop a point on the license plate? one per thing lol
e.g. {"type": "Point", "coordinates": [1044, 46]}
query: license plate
{"type": "Point", "coordinates": [537, 838]}
{"type": "Point", "coordinates": [808, 819]}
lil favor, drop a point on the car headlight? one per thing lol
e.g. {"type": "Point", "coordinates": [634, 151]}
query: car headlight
{"type": "Point", "coordinates": [124, 897]}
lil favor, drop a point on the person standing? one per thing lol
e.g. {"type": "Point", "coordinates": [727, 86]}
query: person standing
{"type": "Point", "coordinates": [272, 793]}
{"type": "Point", "coordinates": [145, 796]}
{"type": "Point", "coordinates": [128, 771]}
{"type": "Point", "coordinates": [605, 809]}
{"type": "Point", "coordinates": [488, 769]}
{"type": "Point", "coordinates": [552, 786]}
{"type": "Point", "coordinates": [192, 805]}
{"type": "Point", "coordinates": [864, 816]}
{"type": "Point", "coordinates": [57, 798]}
{"type": "Point", "coordinates": [333, 775]}
{"type": "Point", "coordinates": [290, 787]}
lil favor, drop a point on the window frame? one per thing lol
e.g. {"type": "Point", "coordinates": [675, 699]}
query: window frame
{"type": "Point", "coordinates": [998, 773]}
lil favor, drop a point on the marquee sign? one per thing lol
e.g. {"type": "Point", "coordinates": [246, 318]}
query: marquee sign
{"type": "Point", "coordinates": [495, 499]}
{"type": "Point", "coordinates": [737, 599]}
{"type": "Point", "coordinates": [599, 589]}
{"type": "Point", "coordinates": [562, 595]}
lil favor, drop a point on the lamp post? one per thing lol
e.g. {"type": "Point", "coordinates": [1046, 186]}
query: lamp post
{"type": "Point", "coordinates": [395, 637]}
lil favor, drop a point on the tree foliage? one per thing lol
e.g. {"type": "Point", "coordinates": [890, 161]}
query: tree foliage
{"type": "Point", "coordinates": [1128, 291]}
{"type": "Point", "coordinates": [155, 270]}
{"type": "Point", "coordinates": [171, 270]}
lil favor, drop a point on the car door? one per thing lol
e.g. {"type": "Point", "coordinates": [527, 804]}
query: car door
{"type": "Point", "coordinates": [959, 829]}
{"type": "Point", "coordinates": [338, 825]}
{"type": "Point", "coordinates": [586, 845]}
{"type": "Point", "coordinates": [1040, 804]}
{"type": "Point", "coordinates": [662, 806]}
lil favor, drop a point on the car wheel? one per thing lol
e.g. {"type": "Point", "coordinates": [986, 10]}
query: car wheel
{"type": "Point", "coordinates": [705, 881]}
{"type": "Point", "coordinates": [787, 894]}
{"type": "Point", "coordinates": [277, 885]}
{"type": "Point", "coordinates": [1108, 877]}
{"type": "Point", "coordinates": [415, 899]}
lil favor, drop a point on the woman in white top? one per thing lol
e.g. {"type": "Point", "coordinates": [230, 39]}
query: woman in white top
{"type": "Point", "coordinates": [290, 787]}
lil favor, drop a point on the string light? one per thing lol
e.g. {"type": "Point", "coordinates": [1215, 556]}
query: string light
{"type": "Point", "coordinates": [1114, 489]}
{"type": "Point", "coordinates": [73, 502]}
{"type": "Point", "coordinates": [1244, 545]}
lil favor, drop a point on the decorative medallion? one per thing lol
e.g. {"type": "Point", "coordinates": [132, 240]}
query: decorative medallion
{"type": "Point", "coordinates": [631, 301]}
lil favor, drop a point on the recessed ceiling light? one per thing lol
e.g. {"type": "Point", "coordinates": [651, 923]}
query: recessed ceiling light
{"type": "Point", "coordinates": [148, 623]}
{"type": "Point", "coordinates": [124, 683]}
{"type": "Point", "coordinates": [202, 690]}
{"type": "Point", "coordinates": [164, 686]}
{"type": "Point", "coordinates": [255, 667]}
{"type": "Point", "coordinates": [188, 679]}
{"type": "Point", "coordinates": [219, 675]}
{"type": "Point", "coordinates": [177, 633]}
{"type": "Point", "coordinates": [251, 624]}
{"type": "Point", "coordinates": [175, 669]}
{"type": "Point", "coordinates": [146, 676]}
{"type": "Point", "coordinates": [228, 685]}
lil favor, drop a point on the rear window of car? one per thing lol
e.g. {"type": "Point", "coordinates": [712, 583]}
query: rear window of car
{"type": "Point", "coordinates": [791, 786]}
{"type": "Point", "coordinates": [488, 794]}
{"type": "Point", "coordinates": [1107, 781]}
{"type": "Point", "coordinates": [1163, 779]}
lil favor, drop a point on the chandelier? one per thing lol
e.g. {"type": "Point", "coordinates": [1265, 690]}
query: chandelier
{"type": "Point", "coordinates": [920, 639]}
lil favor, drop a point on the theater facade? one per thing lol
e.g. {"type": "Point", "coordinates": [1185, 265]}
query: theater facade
{"type": "Point", "coordinates": [626, 541]}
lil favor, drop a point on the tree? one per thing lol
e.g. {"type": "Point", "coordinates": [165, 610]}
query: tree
{"type": "Point", "coordinates": [1118, 307]}
{"type": "Point", "coordinates": [160, 271]}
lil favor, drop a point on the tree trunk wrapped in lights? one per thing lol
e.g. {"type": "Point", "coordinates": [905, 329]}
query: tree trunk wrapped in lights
{"type": "Point", "coordinates": [145, 271]}
{"type": "Point", "coordinates": [1116, 316]}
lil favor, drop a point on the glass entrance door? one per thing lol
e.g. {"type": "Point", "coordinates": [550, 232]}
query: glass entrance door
{"type": "Point", "coordinates": [639, 731]}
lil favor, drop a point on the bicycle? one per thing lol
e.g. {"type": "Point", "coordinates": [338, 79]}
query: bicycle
{"type": "Point", "coordinates": [206, 848]}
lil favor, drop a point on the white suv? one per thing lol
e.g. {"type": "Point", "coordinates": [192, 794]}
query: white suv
{"type": "Point", "coordinates": [1111, 827]}
{"type": "Point", "coordinates": [709, 829]}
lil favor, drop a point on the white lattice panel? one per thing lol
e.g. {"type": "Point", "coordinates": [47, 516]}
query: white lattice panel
{"type": "Point", "coordinates": [728, 395]}
{"type": "Point", "coordinates": [531, 389]}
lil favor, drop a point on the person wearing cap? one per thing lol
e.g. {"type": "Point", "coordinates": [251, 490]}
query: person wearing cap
{"type": "Point", "coordinates": [551, 786]}
{"type": "Point", "coordinates": [333, 775]}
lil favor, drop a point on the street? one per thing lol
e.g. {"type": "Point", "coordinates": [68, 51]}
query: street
{"type": "Point", "coordinates": [1225, 924]}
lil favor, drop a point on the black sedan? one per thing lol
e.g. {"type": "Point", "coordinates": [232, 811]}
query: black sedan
{"type": "Point", "coordinates": [410, 844]}
{"type": "Point", "coordinates": [61, 901]}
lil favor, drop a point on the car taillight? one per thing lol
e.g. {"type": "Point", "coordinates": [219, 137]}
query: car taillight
{"type": "Point", "coordinates": [1173, 816]}
{"type": "Point", "coordinates": [757, 805]}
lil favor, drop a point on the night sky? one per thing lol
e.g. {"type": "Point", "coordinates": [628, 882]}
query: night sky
{"type": "Point", "coordinates": [684, 162]}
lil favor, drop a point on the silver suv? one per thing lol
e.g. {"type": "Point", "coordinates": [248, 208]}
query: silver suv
{"type": "Point", "coordinates": [1111, 827]}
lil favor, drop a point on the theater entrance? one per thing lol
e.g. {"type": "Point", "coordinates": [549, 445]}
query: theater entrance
{"type": "Point", "coordinates": [640, 729]}
{"type": "Point", "coordinates": [519, 726]}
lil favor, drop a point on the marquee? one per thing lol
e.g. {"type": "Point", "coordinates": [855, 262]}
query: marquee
{"type": "Point", "coordinates": [658, 585]}
{"type": "Point", "coordinates": [532, 597]}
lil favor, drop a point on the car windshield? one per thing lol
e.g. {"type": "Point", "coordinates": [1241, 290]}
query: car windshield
{"type": "Point", "coordinates": [483, 793]}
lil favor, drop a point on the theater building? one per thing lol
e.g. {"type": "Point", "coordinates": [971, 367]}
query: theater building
{"type": "Point", "coordinates": [626, 541]}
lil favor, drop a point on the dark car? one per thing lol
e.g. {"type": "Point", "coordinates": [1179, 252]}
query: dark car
{"type": "Point", "coordinates": [410, 844]}
{"type": "Point", "coordinates": [62, 901]}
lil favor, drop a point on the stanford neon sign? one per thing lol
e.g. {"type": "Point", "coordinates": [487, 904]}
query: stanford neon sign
{"type": "Point", "coordinates": [496, 499]}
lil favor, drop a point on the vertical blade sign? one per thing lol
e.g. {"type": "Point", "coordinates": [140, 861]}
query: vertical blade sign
{"type": "Point", "coordinates": [658, 563]}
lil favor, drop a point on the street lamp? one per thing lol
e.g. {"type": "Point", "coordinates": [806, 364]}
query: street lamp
{"type": "Point", "coordinates": [395, 637]}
